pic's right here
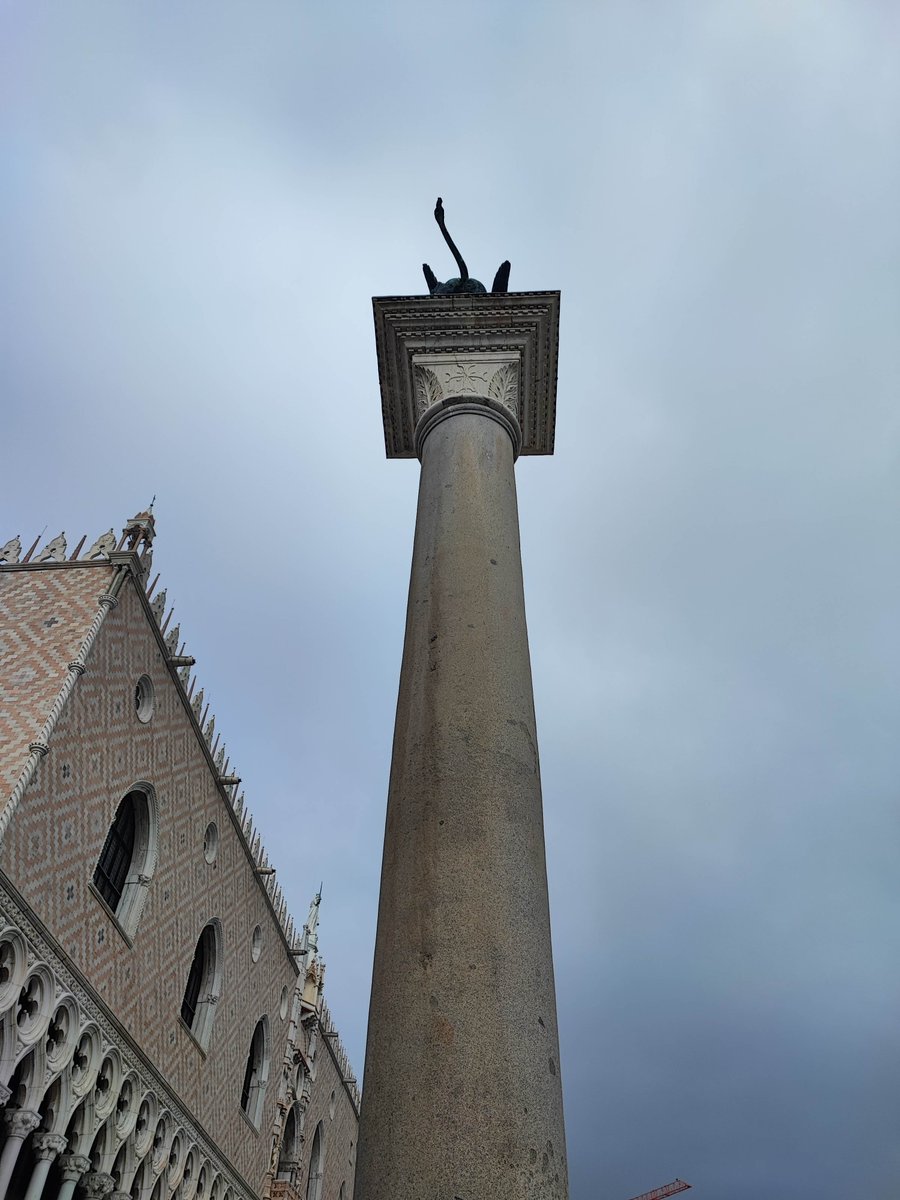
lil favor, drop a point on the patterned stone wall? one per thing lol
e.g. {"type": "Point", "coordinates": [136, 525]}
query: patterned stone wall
{"type": "Point", "coordinates": [98, 752]}
{"type": "Point", "coordinates": [46, 614]}
{"type": "Point", "coordinates": [331, 1105]}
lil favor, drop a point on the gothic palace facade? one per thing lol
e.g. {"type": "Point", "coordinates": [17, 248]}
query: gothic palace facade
{"type": "Point", "coordinates": [163, 1034]}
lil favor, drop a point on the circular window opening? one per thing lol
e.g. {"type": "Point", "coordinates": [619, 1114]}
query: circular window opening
{"type": "Point", "coordinates": [143, 698]}
{"type": "Point", "coordinates": [284, 1003]}
{"type": "Point", "coordinates": [211, 842]}
{"type": "Point", "coordinates": [256, 944]}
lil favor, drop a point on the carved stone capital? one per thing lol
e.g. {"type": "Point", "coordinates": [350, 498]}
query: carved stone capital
{"type": "Point", "coordinates": [77, 668]}
{"type": "Point", "coordinates": [96, 1184]}
{"type": "Point", "coordinates": [40, 748]}
{"type": "Point", "coordinates": [73, 1166]}
{"type": "Point", "coordinates": [109, 601]}
{"type": "Point", "coordinates": [119, 1196]}
{"type": "Point", "coordinates": [20, 1122]}
{"type": "Point", "coordinates": [435, 350]}
{"type": "Point", "coordinates": [48, 1145]}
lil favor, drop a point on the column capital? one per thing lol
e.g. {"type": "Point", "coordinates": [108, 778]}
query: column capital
{"type": "Point", "coordinates": [48, 1145]}
{"type": "Point", "coordinates": [97, 1184]}
{"type": "Point", "coordinates": [497, 350]}
{"type": "Point", "coordinates": [73, 1166]}
{"type": "Point", "coordinates": [20, 1122]}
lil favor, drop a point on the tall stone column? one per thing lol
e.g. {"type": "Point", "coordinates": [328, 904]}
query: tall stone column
{"type": "Point", "coordinates": [20, 1122]}
{"type": "Point", "coordinates": [71, 1168]}
{"type": "Point", "coordinates": [462, 1093]}
{"type": "Point", "coordinates": [46, 1146]}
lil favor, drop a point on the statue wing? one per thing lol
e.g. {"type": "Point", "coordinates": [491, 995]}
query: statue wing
{"type": "Point", "coordinates": [430, 278]}
{"type": "Point", "coordinates": [501, 279]}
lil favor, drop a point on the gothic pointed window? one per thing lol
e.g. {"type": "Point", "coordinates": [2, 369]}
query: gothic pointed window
{"type": "Point", "coordinates": [128, 856]}
{"type": "Point", "coordinates": [316, 1167]}
{"type": "Point", "coordinates": [256, 1073]}
{"type": "Point", "coordinates": [118, 851]}
{"type": "Point", "coordinates": [204, 983]}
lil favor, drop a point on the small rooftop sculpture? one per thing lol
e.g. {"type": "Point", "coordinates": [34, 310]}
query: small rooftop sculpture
{"type": "Point", "coordinates": [462, 285]}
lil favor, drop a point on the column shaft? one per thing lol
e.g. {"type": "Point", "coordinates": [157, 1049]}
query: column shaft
{"type": "Point", "coordinates": [462, 1092]}
{"type": "Point", "coordinates": [8, 1159]}
{"type": "Point", "coordinates": [38, 1178]}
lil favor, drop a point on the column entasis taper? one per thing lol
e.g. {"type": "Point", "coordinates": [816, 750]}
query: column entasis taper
{"type": "Point", "coordinates": [462, 1089]}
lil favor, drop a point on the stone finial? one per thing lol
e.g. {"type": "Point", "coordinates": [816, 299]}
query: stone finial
{"type": "Point", "coordinates": [197, 704]}
{"type": "Point", "coordinates": [172, 639]}
{"type": "Point", "coordinates": [158, 605]}
{"type": "Point", "coordinates": [12, 551]}
{"type": "Point", "coordinates": [104, 544]}
{"type": "Point", "coordinates": [54, 551]}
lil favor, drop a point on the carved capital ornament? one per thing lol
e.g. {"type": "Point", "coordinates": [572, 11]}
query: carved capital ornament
{"type": "Point", "coordinates": [496, 351]}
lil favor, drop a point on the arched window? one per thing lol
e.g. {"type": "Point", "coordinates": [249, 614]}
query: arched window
{"type": "Point", "coordinates": [289, 1154]}
{"type": "Point", "coordinates": [316, 1166]}
{"type": "Point", "coordinates": [256, 1074]}
{"type": "Point", "coordinates": [128, 857]}
{"type": "Point", "coordinates": [118, 851]}
{"type": "Point", "coordinates": [204, 983]}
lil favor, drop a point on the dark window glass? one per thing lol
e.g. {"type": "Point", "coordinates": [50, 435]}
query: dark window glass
{"type": "Point", "coordinates": [254, 1062]}
{"type": "Point", "coordinates": [118, 851]}
{"type": "Point", "coordinates": [195, 978]}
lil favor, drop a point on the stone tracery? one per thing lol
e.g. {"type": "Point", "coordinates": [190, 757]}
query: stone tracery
{"type": "Point", "coordinates": [75, 1103]}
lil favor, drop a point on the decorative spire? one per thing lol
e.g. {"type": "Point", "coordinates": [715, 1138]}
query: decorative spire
{"type": "Point", "coordinates": [11, 552]}
{"type": "Point", "coordinates": [54, 551]}
{"type": "Point", "coordinates": [103, 545]}
{"type": "Point", "coordinates": [138, 534]}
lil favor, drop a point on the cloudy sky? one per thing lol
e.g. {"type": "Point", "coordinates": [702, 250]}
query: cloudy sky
{"type": "Point", "coordinates": [197, 202]}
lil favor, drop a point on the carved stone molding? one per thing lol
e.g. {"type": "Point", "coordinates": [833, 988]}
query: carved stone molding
{"type": "Point", "coordinates": [442, 377]}
{"type": "Point", "coordinates": [96, 1184]}
{"type": "Point", "coordinates": [73, 1166]}
{"type": "Point", "coordinates": [48, 1145]}
{"type": "Point", "coordinates": [20, 1122]}
{"type": "Point", "coordinates": [497, 347]}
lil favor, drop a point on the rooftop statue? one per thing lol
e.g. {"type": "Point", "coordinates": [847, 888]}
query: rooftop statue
{"type": "Point", "coordinates": [462, 285]}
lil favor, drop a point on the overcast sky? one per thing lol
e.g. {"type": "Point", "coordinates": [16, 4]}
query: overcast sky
{"type": "Point", "coordinates": [197, 202]}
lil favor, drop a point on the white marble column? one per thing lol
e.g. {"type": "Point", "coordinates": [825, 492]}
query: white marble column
{"type": "Point", "coordinates": [71, 1169]}
{"type": "Point", "coordinates": [46, 1147]}
{"type": "Point", "coordinates": [20, 1122]}
{"type": "Point", "coordinates": [462, 1093]}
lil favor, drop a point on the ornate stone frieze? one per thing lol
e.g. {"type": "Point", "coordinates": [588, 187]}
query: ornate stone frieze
{"type": "Point", "coordinates": [501, 348]}
{"type": "Point", "coordinates": [442, 377]}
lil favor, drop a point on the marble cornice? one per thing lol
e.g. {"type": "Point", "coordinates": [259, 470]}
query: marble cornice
{"type": "Point", "coordinates": [434, 350]}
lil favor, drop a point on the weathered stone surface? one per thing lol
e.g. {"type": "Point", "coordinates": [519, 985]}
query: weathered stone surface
{"type": "Point", "coordinates": [462, 1090]}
